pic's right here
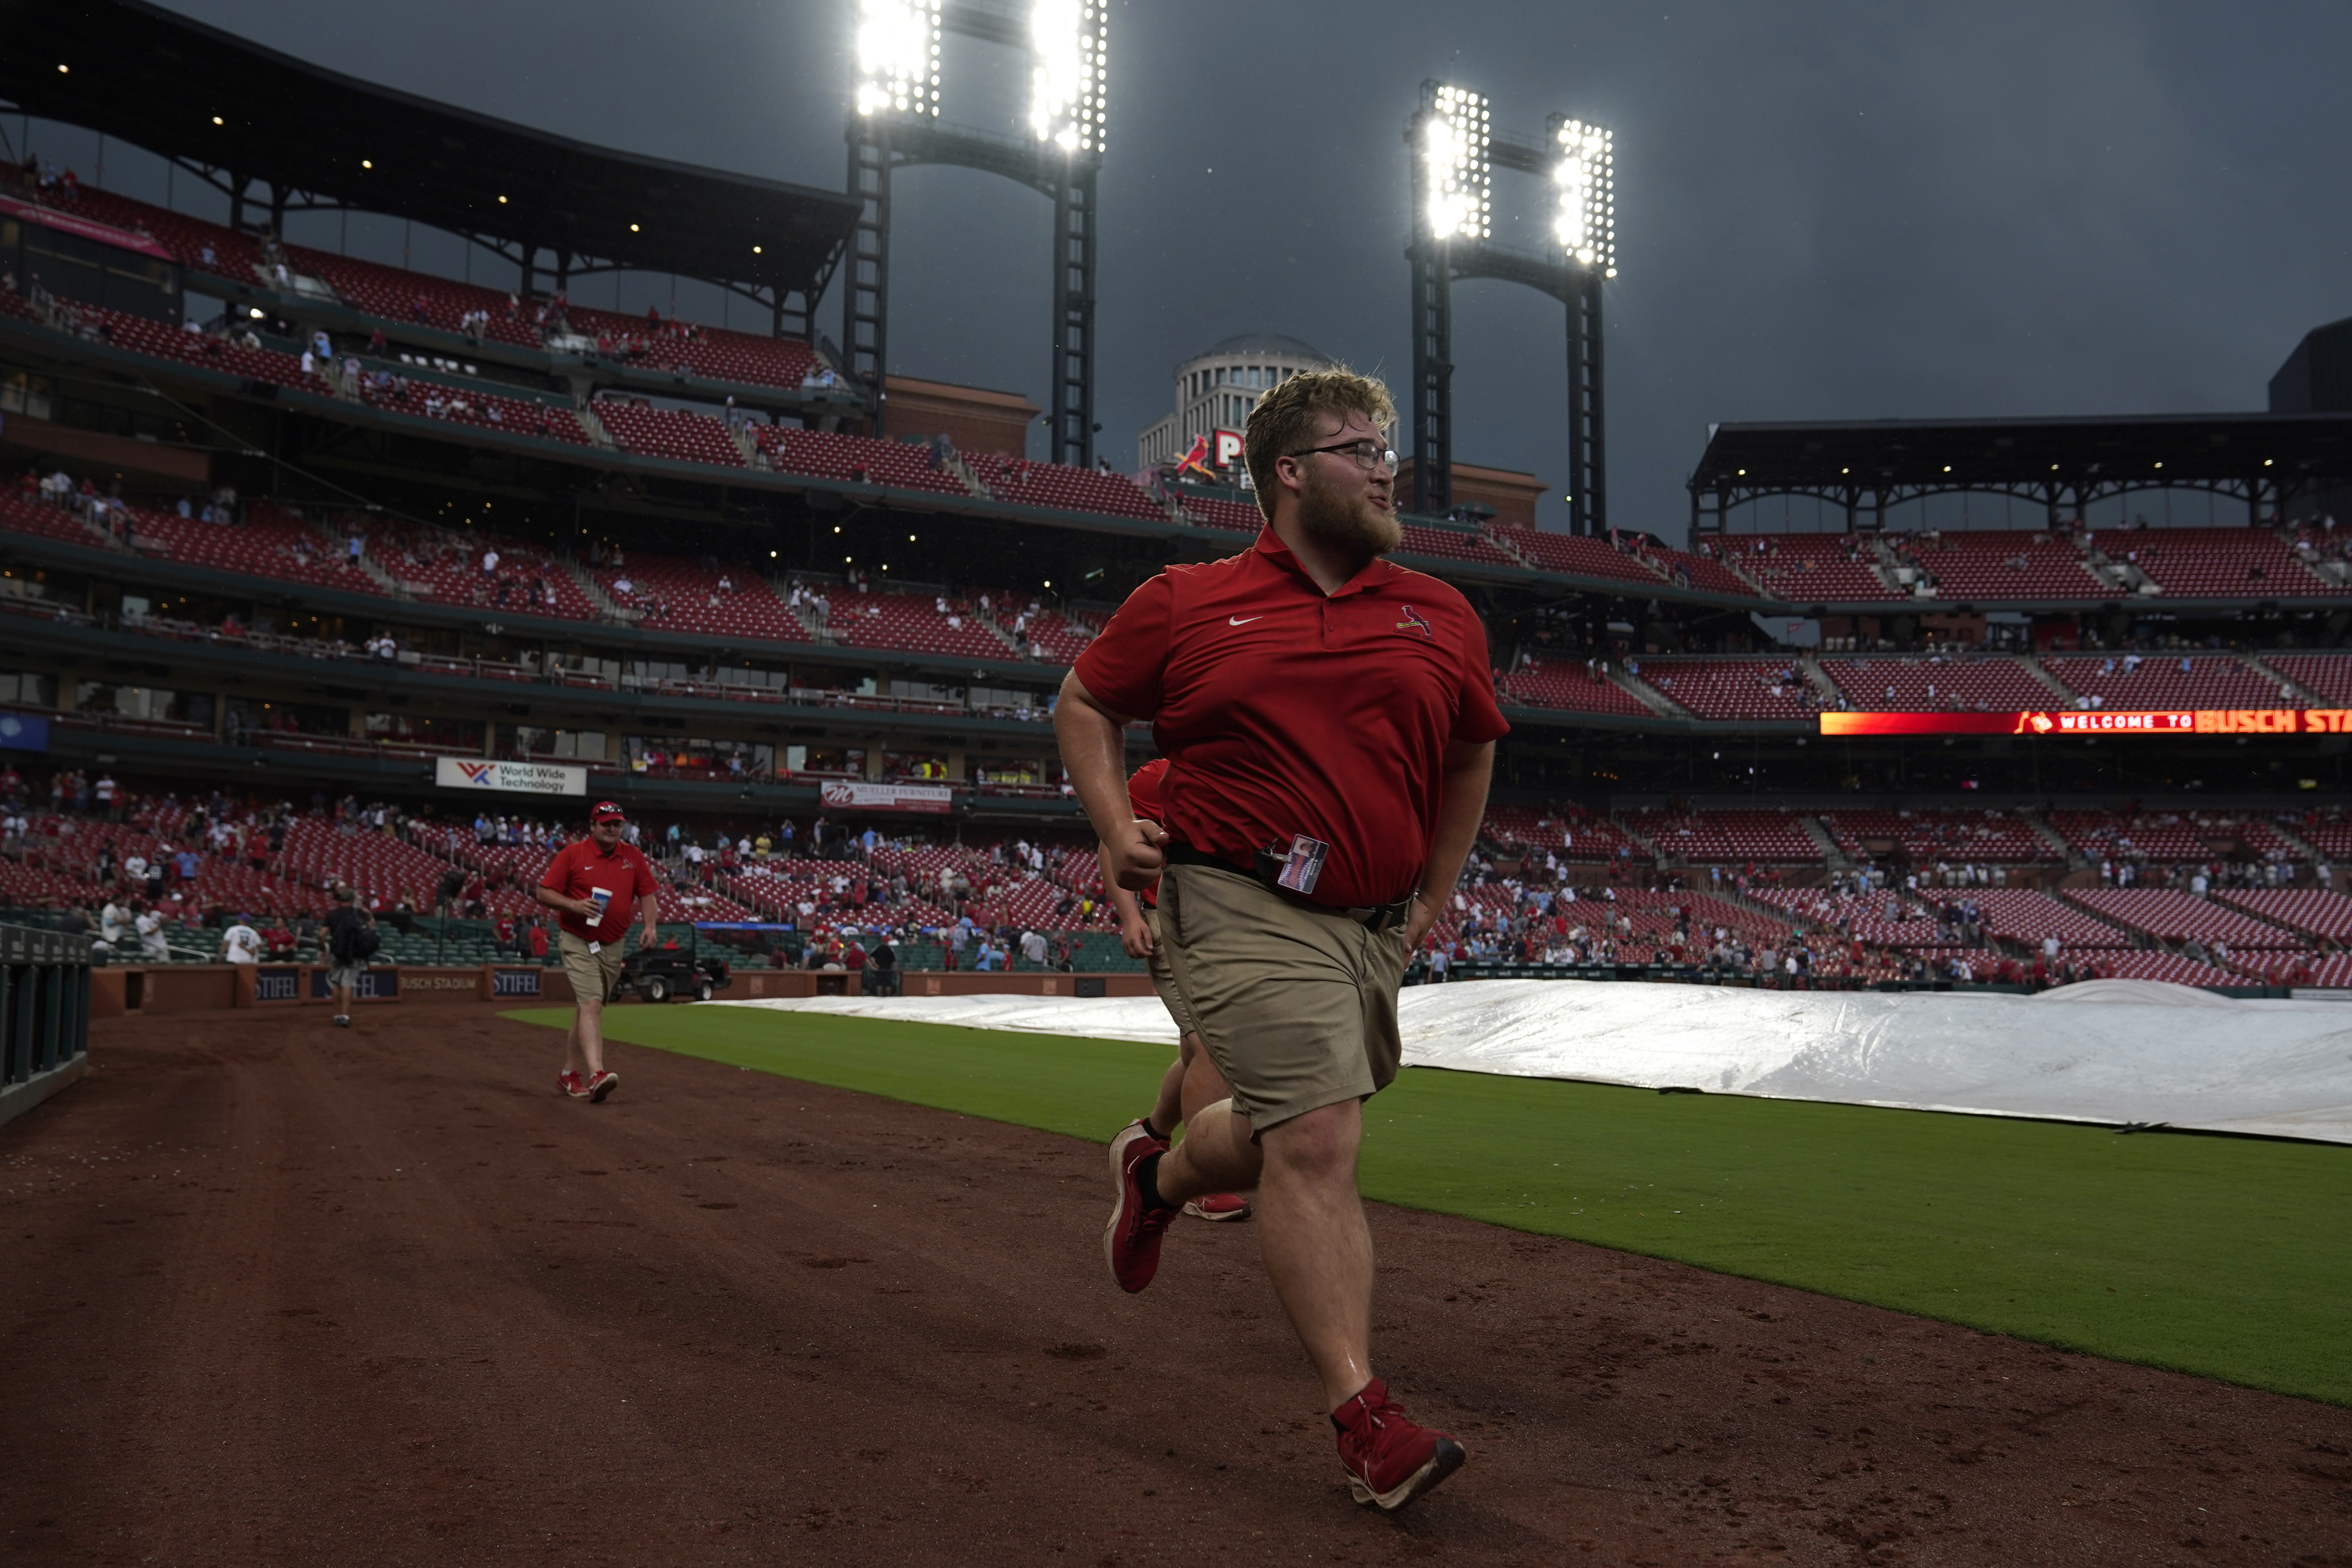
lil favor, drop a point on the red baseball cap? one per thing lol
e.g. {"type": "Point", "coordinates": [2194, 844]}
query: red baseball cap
{"type": "Point", "coordinates": [606, 811]}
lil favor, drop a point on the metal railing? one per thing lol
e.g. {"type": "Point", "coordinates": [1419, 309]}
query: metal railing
{"type": "Point", "coordinates": [44, 1014]}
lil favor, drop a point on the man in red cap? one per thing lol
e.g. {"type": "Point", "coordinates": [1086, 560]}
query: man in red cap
{"type": "Point", "coordinates": [592, 885]}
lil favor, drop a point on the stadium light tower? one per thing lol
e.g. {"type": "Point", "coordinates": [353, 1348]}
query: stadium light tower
{"type": "Point", "coordinates": [1454, 150]}
{"type": "Point", "coordinates": [893, 122]}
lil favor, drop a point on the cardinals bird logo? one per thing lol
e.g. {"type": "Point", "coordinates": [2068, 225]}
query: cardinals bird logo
{"type": "Point", "coordinates": [1413, 623]}
{"type": "Point", "coordinates": [1196, 461]}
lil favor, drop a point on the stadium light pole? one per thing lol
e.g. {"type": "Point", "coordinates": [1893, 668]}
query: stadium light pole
{"type": "Point", "coordinates": [893, 122]}
{"type": "Point", "coordinates": [1070, 40]}
{"type": "Point", "coordinates": [1585, 224]}
{"type": "Point", "coordinates": [1449, 140]}
{"type": "Point", "coordinates": [1453, 150]}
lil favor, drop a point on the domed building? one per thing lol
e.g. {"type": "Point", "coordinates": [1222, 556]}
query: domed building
{"type": "Point", "coordinates": [1216, 388]}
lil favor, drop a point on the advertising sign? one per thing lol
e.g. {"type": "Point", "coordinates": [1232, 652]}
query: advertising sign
{"type": "Point", "coordinates": [24, 732]}
{"type": "Point", "coordinates": [514, 982]}
{"type": "Point", "coordinates": [513, 778]}
{"type": "Point", "coordinates": [846, 795]}
{"type": "Point", "coordinates": [2100, 722]}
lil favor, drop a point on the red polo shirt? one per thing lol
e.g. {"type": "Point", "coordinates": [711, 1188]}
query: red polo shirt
{"type": "Point", "coordinates": [1143, 786]}
{"type": "Point", "coordinates": [1283, 710]}
{"type": "Point", "coordinates": [583, 865]}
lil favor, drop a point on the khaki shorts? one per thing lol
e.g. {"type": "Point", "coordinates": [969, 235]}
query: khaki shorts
{"type": "Point", "coordinates": [594, 974]}
{"type": "Point", "coordinates": [1163, 980]}
{"type": "Point", "coordinates": [1297, 1007]}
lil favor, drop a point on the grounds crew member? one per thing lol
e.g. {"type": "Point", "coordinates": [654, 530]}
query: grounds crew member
{"type": "Point", "coordinates": [592, 885]}
{"type": "Point", "coordinates": [348, 950]}
{"type": "Point", "coordinates": [1191, 1080]}
{"type": "Point", "coordinates": [1329, 722]}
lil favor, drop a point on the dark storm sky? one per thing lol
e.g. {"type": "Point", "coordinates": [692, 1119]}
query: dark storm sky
{"type": "Point", "coordinates": [1825, 210]}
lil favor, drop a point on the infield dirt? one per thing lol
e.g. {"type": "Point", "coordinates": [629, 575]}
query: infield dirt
{"type": "Point", "coordinates": [279, 1294]}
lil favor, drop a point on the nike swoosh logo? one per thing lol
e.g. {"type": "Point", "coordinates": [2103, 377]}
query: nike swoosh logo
{"type": "Point", "coordinates": [1242, 620]}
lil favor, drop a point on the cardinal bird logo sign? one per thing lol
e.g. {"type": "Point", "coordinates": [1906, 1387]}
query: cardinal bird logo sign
{"type": "Point", "coordinates": [1413, 623]}
{"type": "Point", "coordinates": [1196, 461]}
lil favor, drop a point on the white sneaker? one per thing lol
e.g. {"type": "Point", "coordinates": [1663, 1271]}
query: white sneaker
{"type": "Point", "coordinates": [342, 1020]}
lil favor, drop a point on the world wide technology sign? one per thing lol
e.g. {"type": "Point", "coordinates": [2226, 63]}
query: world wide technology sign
{"type": "Point", "coordinates": [2100, 722]}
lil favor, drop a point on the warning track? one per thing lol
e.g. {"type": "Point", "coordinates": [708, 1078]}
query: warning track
{"type": "Point", "coordinates": [276, 1293]}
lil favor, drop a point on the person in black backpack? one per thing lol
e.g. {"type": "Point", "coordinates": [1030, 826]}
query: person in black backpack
{"type": "Point", "coordinates": [352, 941]}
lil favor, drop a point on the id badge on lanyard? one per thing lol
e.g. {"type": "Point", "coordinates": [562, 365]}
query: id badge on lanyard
{"type": "Point", "coordinates": [1304, 867]}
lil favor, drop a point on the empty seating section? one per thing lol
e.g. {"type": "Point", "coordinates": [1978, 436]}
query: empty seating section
{"type": "Point", "coordinates": [2315, 912]}
{"type": "Point", "coordinates": [2216, 563]}
{"type": "Point", "coordinates": [1567, 684]}
{"type": "Point", "coordinates": [484, 410]}
{"type": "Point", "coordinates": [1735, 689]}
{"type": "Point", "coordinates": [1451, 544]}
{"type": "Point", "coordinates": [1864, 915]}
{"type": "Point", "coordinates": [20, 515]}
{"type": "Point", "coordinates": [267, 545]}
{"type": "Point", "coordinates": [2171, 967]}
{"type": "Point", "coordinates": [2164, 836]}
{"type": "Point", "coordinates": [1062, 637]}
{"type": "Point", "coordinates": [140, 335]}
{"type": "Point", "coordinates": [233, 254]}
{"type": "Point", "coordinates": [1810, 568]}
{"type": "Point", "coordinates": [1576, 554]}
{"type": "Point", "coordinates": [2328, 675]}
{"type": "Point", "coordinates": [1210, 512]}
{"type": "Point", "coordinates": [908, 621]}
{"type": "Point", "coordinates": [1928, 836]}
{"type": "Point", "coordinates": [318, 853]}
{"type": "Point", "coordinates": [1726, 837]}
{"type": "Point", "coordinates": [1061, 488]}
{"type": "Point", "coordinates": [1701, 572]}
{"type": "Point", "coordinates": [399, 296]}
{"type": "Point", "coordinates": [2005, 564]}
{"type": "Point", "coordinates": [2134, 682]}
{"type": "Point", "coordinates": [439, 564]}
{"type": "Point", "coordinates": [1991, 685]}
{"type": "Point", "coordinates": [678, 595]}
{"type": "Point", "coordinates": [715, 354]}
{"type": "Point", "coordinates": [858, 459]}
{"type": "Point", "coordinates": [2329, 832]}
{"type": "Point", "coordinates": [1569, 833]}
{"type": "Point", "coordinates": [2019, 914]}
{"type": "Point", "coordinates": [667, 433]}
{"type": "Point", "coordinates": [2170, 915]}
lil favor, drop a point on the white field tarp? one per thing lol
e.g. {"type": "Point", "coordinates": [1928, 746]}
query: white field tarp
{"type": "Point", "coordinates": [2106, 1051]}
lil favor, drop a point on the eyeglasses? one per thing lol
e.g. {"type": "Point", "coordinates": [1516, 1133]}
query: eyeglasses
{"type": "Point", "coordinates": [1368, 455]}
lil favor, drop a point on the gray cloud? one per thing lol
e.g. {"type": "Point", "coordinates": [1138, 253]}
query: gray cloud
{"type": "Point", "coordinates": [1826, 210]}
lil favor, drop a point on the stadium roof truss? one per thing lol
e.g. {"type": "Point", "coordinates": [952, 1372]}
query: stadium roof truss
{"type": "Point", "coordinates": [2266, 460]}
{"type": "Point", "coordinates": [237, 115]}
{"type": "Point", "coordinates": [1062, 161]}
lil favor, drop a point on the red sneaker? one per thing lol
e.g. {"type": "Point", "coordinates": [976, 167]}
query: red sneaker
{"type": "Point", "coordinates": [602, 1084]}
{"type": "Point", "coordinates": [569, 1083]}
{"type": "Point", "coordinates": [1131, 1239]}
{"type": "Point", "coordinates": [1388, 1461]}
{"type": "Point", "coordinates": [1219, 1206]}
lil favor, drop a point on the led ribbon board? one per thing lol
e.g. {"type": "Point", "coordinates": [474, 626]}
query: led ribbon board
{"type": "Point", "coordinates": [2100, 722]}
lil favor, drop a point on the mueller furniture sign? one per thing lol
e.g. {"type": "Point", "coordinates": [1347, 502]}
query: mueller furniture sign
{"type": "Point", "coordinates": [513, 778]}
{"type": "Point", "coordinates": [887, 798]}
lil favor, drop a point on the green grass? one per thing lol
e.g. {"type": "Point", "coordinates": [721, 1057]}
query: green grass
{"type": "Point", "coordinates": [2218, 1256]}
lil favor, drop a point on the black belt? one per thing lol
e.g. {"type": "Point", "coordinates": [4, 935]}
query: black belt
{"type": "Point", "coordinates": [1267, 871]}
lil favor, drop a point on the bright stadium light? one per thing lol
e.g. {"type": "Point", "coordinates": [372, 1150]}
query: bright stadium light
{"type": "Point", "coordinates": [1071, 40]}
{"type": "Point", "coordinates": [1454, 146]}
{"type": "Point", "coordinates": [898, 57]}
{"type": "Point", "coordinates": [1586, 177]}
